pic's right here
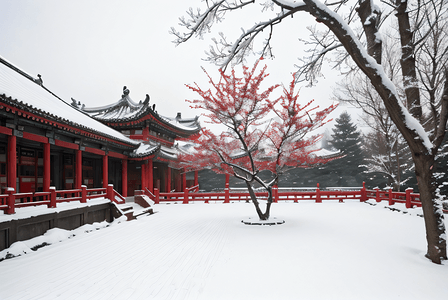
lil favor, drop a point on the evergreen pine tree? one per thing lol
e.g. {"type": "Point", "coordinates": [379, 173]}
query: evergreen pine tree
{"type": "Point", "coordinates": [347, 139]}
{"type": "Point", "coordinates": [388, 160]}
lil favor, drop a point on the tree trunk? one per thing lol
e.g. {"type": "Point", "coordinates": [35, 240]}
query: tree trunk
{"type": "Point", "coordinates": [424, 161]}
{"type": "Point", "coordinates": [263, 216]}
{"type": "Point", "coordinates": [432, 209]}
{"type": "Point", "coordinates": [407, 61]}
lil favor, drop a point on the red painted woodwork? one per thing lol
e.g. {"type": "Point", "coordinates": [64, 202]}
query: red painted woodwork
{"type": "Point", "coordinates": [5, 130]}
{"type": "Point", "coordinates": [78, 176]}
{"type": "Point", "coordinates": [94, 151]}
{"type": "Point", "coordinates": [318, 196]}
{"type": "Point", "coordinates": [105, 171]}
{"type": "Point", "coordinates": [12, 162]}
{"type": "Point", "coordinates": [47, 168]}
{"type": "Point", "coordinates": [35, 137]}
{"type": "Point", "coordinates": [168, 180]}
{"type": "Point", "coordinates": [153, 138]}
{"type": "Point", "coordinates": [184, 179]}
{"type": "Point", "coordinates": [150, 176]}
{"type": "Point", "coordinates": [141, 121]}
{"type": "Point", "coordinates": [66, 127]}
{"type": "Point", "coordinates": [52, 197]}
{"type": "Point", "coordinates": [66, 144]}
{"type": "Point", "coordinates": [83, 194]}
{"type": "Point", "coordinates": [11, 201]}
{"type": "Point", "coordinates": [124, 177]}
{"type": "Point", "coordinates": [117, 155]}
{"type": "Point", "coordinates": [145, 133]}
{"type": "Point", "coordinates": [143, 176]}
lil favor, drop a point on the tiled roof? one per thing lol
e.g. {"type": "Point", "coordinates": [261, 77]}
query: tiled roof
{"type": "Point", "coordinates": [126, 110]}
{"type": "Point", "coordinates": [22, 91]}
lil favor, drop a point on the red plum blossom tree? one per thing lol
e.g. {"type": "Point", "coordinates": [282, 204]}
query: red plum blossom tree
{"type": "Point", "coordinates": [253, 141]}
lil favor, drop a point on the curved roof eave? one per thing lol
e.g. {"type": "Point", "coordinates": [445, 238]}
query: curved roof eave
{"type": "Point", "coordinates": [144, 150]}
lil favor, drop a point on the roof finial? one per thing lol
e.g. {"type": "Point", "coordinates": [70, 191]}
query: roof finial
{"type": "Point", "coordinates": [74, 103]}
{"type": "Point", "coordinates": [39, 80]}
{"type": "Point", "coordinates": [125, 92]}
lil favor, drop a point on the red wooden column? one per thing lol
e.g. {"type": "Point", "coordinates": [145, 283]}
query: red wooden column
{"type": "Point", "coordinates": [47, 168]}
{"type": "Point", "coordinates": [143, 176]}
{"type": "Point", "coordinates": [12, 162]}
{"type": "Point", "coordinates": [184, 180]}
{"type": "Point", "coordinates": [124, 177]}
{"type": "Point", "coordinates": [150, 176]}
{"type": "Point", "coordinates": [78, 176]}
{"type": "Point", "coordinates": [168, 180]}
{"type": "Point", "coordinates": [105, 171]}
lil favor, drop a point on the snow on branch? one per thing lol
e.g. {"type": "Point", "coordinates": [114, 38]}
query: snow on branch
{"type": "Point", "coordinates": [384, 86]}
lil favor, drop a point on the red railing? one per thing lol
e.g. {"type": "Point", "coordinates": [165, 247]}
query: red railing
{"type": "Point", "coordinates": [10, 201]}
{"type": "Point", "coordinates": [409, 198]}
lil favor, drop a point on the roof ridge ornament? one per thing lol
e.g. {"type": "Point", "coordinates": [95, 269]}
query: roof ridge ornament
{"type": "Point", "coordinates": [146, 100]}
{"type": "Point", "coordinates": [125, 92]}
{"type": "Point", "coordinates": [39, 80]}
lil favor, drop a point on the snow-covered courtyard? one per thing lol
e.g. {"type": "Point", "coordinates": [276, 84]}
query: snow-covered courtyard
{"type": "Point", "coordinates": [332, 250]}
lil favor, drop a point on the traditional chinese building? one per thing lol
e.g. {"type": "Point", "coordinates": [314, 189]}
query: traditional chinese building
{"type": "Point", "coordinates": [45, 141]}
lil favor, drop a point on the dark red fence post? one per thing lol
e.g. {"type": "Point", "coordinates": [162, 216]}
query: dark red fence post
{"type": "Point", "coordinates": [318, 198]}
{"type": "Point", "coordinates": [11, 201]}
{"type": "Point", "coordinates": [377, 196]}
{"type": "Point", "coordinates": [363, 192]}
{"type": "Point", "coordinates": [83, 194]}
{"type": "Point", "coordinates": [408, 197]}
{"type": "Point", "coordinates": [185, 196]}
{"type": "Point", "coordinates": [52, 197]}
{"type": "Point", "coordinates": [391, 201]}
{"type": "Point", "coordinates": [156, 196]}
{"type": "Point", "coordinates": [110, 192]}
{"type": "Point", "coordinates": [227, 193]}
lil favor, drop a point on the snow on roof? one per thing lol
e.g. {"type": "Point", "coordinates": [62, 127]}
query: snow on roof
{"type": "Point", "coordinates": [126, 109]}
{"type": "Point", "coordinates": [145, 149]}
{"type": "Point", "coordinates": [169, 153]}
{"type": "Point", "coordinates": [21, 87]}
{"type": "Point", "coordinates": [184, 124]}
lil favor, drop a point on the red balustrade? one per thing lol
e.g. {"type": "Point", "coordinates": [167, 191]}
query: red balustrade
{"type": "Point", "coordinates": [10, 201]}
{"type": "Point", "coordinates": [317, 195]}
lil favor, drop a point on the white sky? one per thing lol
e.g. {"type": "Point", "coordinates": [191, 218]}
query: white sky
{"type": "Point", "coordinates": [89, 50]}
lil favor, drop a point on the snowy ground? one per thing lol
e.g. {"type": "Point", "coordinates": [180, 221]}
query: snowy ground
{"type": "Point", "coordinates": [203, 251]}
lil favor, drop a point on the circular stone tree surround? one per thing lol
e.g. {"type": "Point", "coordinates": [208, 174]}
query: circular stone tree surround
{"type": "Point", "coordinates": [270, 222]}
